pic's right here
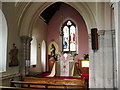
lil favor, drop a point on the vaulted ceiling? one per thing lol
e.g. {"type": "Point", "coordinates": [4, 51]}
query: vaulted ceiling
{"type": "Point", "coordinates": [92, 12]}
{"type": "Point", "coordinates": [50, 11]}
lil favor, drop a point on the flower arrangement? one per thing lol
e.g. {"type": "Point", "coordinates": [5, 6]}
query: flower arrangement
{"type": "Point", "coordinates": [74, 55]}
{"type": "Point", "coordinates": [86, 56]}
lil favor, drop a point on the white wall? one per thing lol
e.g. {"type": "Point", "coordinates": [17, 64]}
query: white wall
{"type": "Point", "coordinates": [13, 37]}
{"type": "Point", "coordinates": [102, 74]}
{"type": "Point", "coordinates": [39, 31]}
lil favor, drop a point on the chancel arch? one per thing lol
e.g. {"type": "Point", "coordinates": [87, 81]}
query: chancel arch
{"type": "Point", "coordinates": [35, 9]}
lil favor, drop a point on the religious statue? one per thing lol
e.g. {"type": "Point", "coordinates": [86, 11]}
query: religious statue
{"type": "Point", "coordinates": [13, 56]}
{"type": "Point", "coordinates": [52, 51]}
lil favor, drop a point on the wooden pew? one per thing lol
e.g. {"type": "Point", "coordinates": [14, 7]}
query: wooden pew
{"type": "Point", "coordinates": [15, 88]}
{"type": "Point", "coordinates": [51, 83]}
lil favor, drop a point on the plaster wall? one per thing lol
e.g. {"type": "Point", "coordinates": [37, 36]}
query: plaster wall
{"type": "Point", "coordinates": [13, 37]}
{"type": "Point", "coordinates": [66, 12]}
{"type": "Point", "coordinates": [39, 31]}
{"type": "Point", "coordinates": [9, 12]}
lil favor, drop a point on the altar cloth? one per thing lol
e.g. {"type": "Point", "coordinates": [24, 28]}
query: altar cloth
{"type": "Point", "coordinates": [73, 71]}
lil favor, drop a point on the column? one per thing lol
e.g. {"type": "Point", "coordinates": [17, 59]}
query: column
{"type": "Point", "coordinates": [114, 59]}
{"type": "Point", "coordinates": [117, 29]}
{"type": "Point", "coordinates": [28, 55]}
{"type": "Point", "coordinates": [102, 62]}
{"type": "Point", "coordinates": [25, 55]}
{"type": "Point", "coordinates": [108, 60]}
{"type": "Point", "coordinates": [99, 65]}
{"type": "Point", "coordinates": [92, 81]}
{"type": "Point", "coordinates": [118, 46]}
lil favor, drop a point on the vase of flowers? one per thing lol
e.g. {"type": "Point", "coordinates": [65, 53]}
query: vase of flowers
{"type": "Point", "coordinates": [86, 56]}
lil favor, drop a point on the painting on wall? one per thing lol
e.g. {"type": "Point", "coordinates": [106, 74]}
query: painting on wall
{"type": "Point", "coordinates": [13, 56]}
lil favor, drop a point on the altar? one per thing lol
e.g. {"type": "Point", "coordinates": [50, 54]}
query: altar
{"type": "Point", "coordinates": [65, 67]}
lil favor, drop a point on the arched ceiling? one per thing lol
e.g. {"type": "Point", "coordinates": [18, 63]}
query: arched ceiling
{"type": "Point", "coordinates": [48, 13]}
{"type": "Point", "coordinates": [28, 12]}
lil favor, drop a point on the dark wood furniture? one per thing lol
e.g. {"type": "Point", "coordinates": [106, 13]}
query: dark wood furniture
{"type": "Point", "coordinates": [82, 69]}
{"type": "Point", "coordinates": [51, 83]}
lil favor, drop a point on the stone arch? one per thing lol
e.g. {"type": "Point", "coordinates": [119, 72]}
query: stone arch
{"type": "Point", "coordinates": [34, 9]}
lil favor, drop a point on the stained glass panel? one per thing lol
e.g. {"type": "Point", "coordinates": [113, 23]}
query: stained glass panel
{"type": "Point", "coordinates": [66, 38]}
{"type": "Point", "coordinates": [69, 23]}
{"type": "Point", "coordinates": [72, 39]}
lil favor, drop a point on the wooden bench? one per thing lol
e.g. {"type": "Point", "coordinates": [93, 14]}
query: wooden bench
{"type": "Point", "coordinates": [15, 88]}
{"type": "Point", "coordinates": [51, 83]}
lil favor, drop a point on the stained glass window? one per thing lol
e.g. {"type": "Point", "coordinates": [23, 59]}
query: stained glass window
{"type": "Point", "coordinates": [69, 36]}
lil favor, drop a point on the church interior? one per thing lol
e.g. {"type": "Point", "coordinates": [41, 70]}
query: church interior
{"type": "Point", "coordinates": [59, 45]}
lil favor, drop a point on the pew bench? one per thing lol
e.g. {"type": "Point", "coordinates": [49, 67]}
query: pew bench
{"type": "Point", "coordinates": [46, 83]}
{"type": "Point", "coordinates": [15, 88]}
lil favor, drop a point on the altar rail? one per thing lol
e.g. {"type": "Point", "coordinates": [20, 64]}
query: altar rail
{"type": "Point", "coordinates": [51, 83]}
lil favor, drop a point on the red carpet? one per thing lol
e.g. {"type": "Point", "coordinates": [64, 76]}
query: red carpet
{"type": "Point", "coordinates": [83, 75]}
{"type": "Point", "coordinates": [45, 75]}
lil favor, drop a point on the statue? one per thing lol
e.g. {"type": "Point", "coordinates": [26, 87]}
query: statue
{"type": "Point", "coordinates": [52, 51]}
{"type": "Point", "coordinates": [13, 56]}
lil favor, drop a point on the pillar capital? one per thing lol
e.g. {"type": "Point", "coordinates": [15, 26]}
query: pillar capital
{"type": "Point", "coordinates": [113, 32]}
{"type": "Point", "coordinates": [101, 32]}
{"type": "Point", "coordinates": [24, 38]}
{"type": "Point", "coordinates": [89, 36]}
{"type": "Point", "coordinates": [29, 39]}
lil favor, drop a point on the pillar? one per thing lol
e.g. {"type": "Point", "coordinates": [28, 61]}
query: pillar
{"type": "Point", "coordinates": [92, 81]}
{"type": "Point", "coordinates": [114, 59]}
{"type": "Point", "coordinates": [108, 60]}
{"type": "Point", "coordinates": [28, 48]}
{"type": "Point", "coordinates": [102, 61]}
{"type": "Point", "coordinates": [25, 55]}
{"type": "Point", "coordinates": [117, 30]}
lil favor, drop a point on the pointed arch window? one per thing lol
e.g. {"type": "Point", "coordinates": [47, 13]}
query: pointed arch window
{"type": "Point", "coordinates": [33, 51]}
{"type": "Point", "coordinates": [69, 41]}
{"type": "Point", "coordinates": [3, 41]}
{"type": "Point", "coordinates": [43, 55]}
